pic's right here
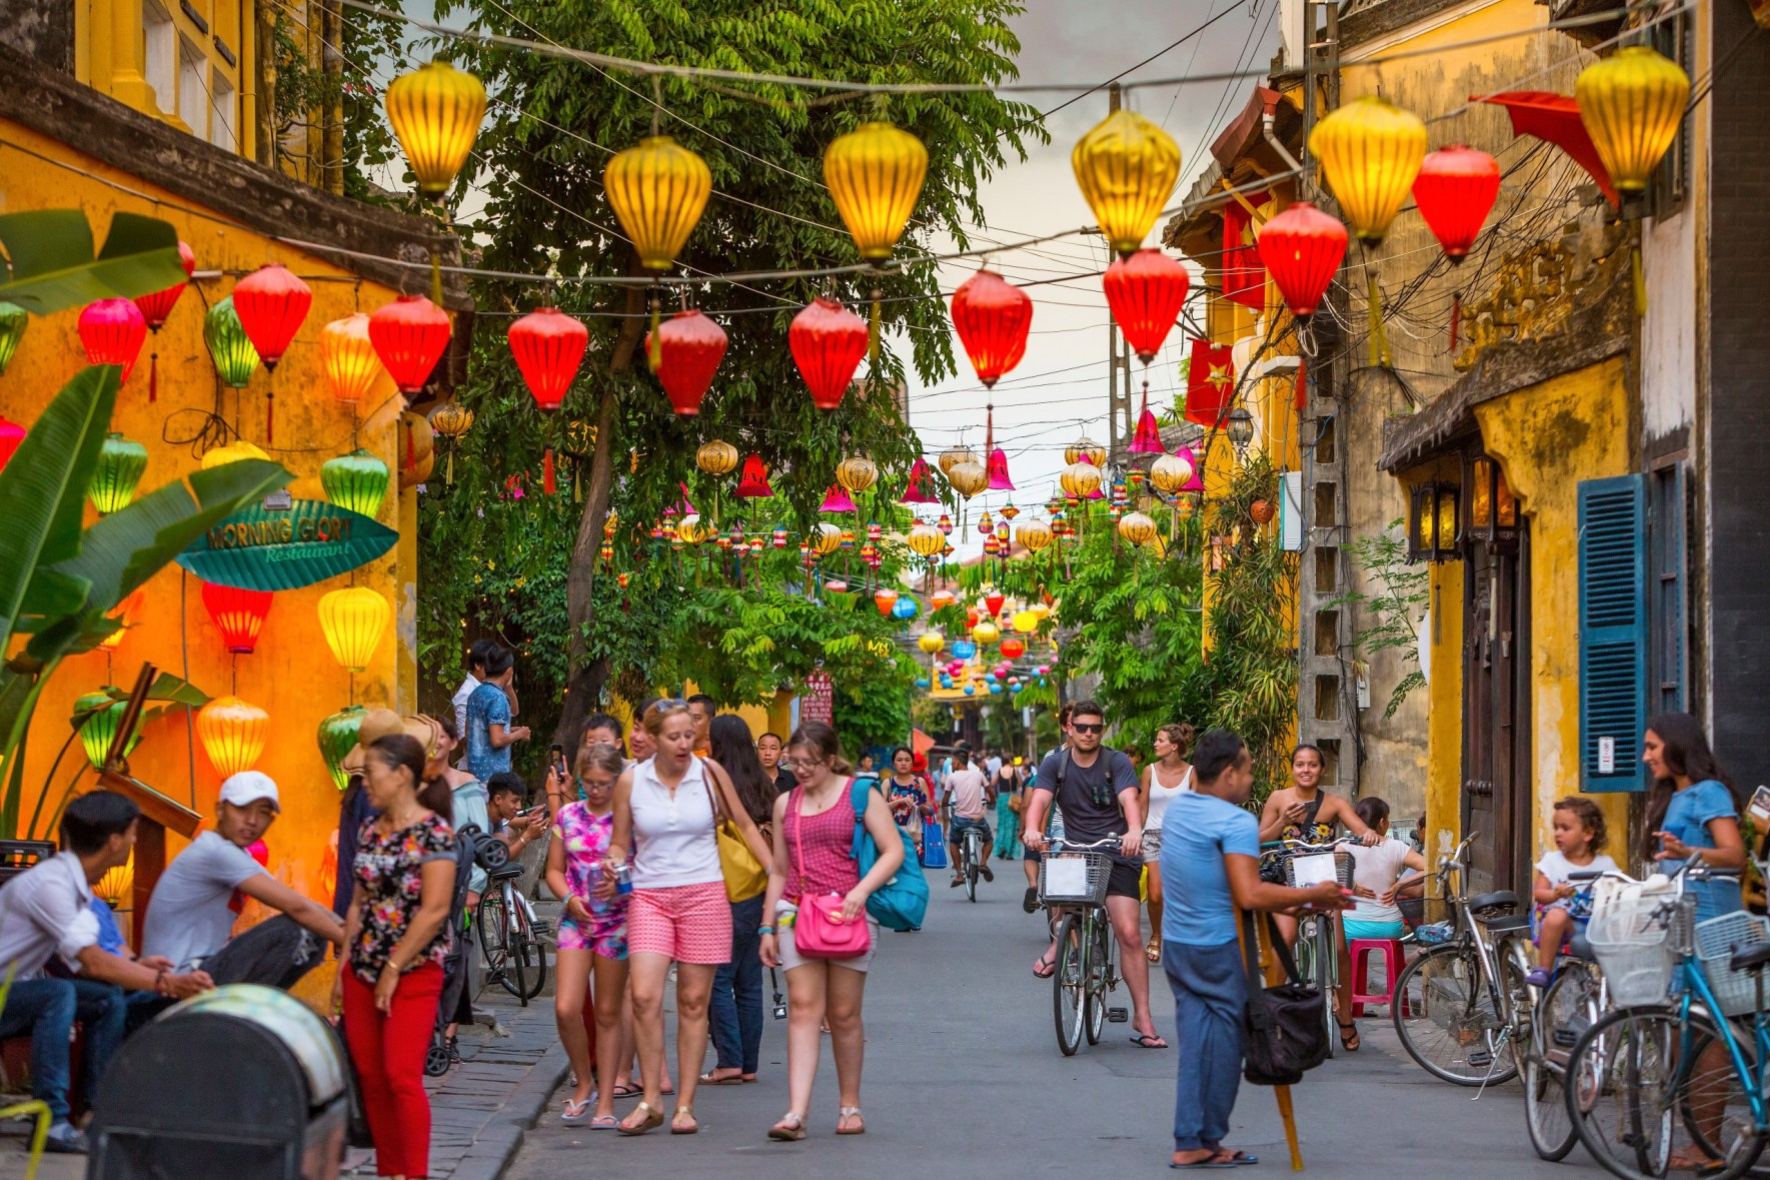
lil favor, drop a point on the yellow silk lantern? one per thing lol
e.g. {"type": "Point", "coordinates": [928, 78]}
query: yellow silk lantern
{"type": "Point", "coordinates": [451, 420]}
{"type": "Point", "coordinates": [348, 358]}
{"type": "Point", "coordinates": [716, 457]}
{"type": "Point", "coordinates": [925, 540]}
{"type": "Point", "coordinates": [826, 538]}
{"type": "Point", "coordinates": [1033, 536]}
{"type": "Point", "coordinates": [985, 633]}
{"type": "Point", "coordinates": [930, 642]}
{"type": "Point", "coordinates": [1084, 450]}
{"type": "Point", "coordinates": [968, 477]}
{"type": "Point", "coordinates": [1631, 104]}
{"type": "Point", "coordinates": [953, 456]}
{"type": "Point", "coordinates": [436, 111]}
{"type": "Point", "coordinates": [1025, 622]}
{"type": "Point", "coordinates": [353, 620]}
{"type": "Point", "coordinates": [1170, 473]}
{"type": "Point", "coordinates": [1137, 528]}
{"type": "Point", "coordinates": [875, 174]}
{"type": "Point", "coordinates": [691, 530]}
{"type": "Point", "coordinates": [232, 732]}
{"type": "Point", "coordinates": [856, 474]}
{"type": "Point", "coordinates": [659, 190]}
{"type": "Point", "coordinates": [1080, 480]}
{"type": "Point", "coordinates": [1370, 151]}
{"type": "Point", "coordinates": [1126, 167]}
{"type": "Point", "coordinates": [231, 453]}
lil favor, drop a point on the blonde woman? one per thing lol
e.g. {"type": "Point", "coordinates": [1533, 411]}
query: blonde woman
{"type": "Point", "coordinates": [1168, 776]}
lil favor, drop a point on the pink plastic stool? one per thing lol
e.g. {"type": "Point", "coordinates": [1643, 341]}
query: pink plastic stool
{"type": "Point", "coordinates": [1359, 951]}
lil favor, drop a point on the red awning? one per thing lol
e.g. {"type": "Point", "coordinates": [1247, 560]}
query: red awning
{"type": "Point", "coordinates": [1555, 119]}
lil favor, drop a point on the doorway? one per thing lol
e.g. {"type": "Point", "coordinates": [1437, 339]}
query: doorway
{"type": "Point", "coordinates": [1496, 713]}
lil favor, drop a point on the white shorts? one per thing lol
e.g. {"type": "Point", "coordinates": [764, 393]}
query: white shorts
{"type": "Point", "coordinates": [789, 953]}
{"type": "Point", "coordinates": [1152, 846]}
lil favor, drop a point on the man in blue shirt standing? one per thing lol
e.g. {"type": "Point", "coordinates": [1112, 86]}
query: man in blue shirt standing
{"type": "Point", "coordinates": [489, 732]}
{"type": "Point", "coordinates": [1211, 869]}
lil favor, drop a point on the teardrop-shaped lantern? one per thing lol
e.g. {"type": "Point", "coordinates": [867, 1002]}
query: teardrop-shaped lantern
{"type": "Point", "coordinates": [232, 732]}
{"type": "Point", "coordinates": [1126, 167]}
{"type": "Point", "coordinates": [690, 347]}
{"type": "Point", "coordinates": [337, 738]}
{"type": "Point", "coordinates": [11, 435]}
{"type": "Point", "coordinates": [121, 462]}
{"type": "Point", "coordinates": [1631, 104]}
{"type": "Point", "coordinates": [353, 620]}
{"type": "Point", "coordinates": [98, 732]}
{"type": "Point", "coordinates": [1147, 439]}
{"type": "Point", "coordinates": [13, 322]}
{"type": "Point", "coordinates": [716, 457]}
{"type": "Point", "coordinates": [997, 471]}
{"type": "Point", "coordinates": [347, 357]}
{"type": "Point", "coordinates": [953, 456]}
{"type": "Point", "coordinates": [884, 599]}
{"type": "Point", "coordinates": [357, 481]}
{"type": "Point", "coordinates": [1171, 473]}
{"type": "Point", "coordinates": [1455, 191]}
{"type": "Point", "coordinates": [230, 349]}
{"type": "Point", "coordinates": [659, 190]}
{"type": "Point", "coordinates": [112, 331]}
{"type": "Point", "coordinates": [836, 500]}
{"type": "Point", "coordinates": [827, 342]}
{"type": "Point", "coordinates": [1033, 535]}
{"type": "Point", "coordinates": [1137, 528]}
{"type": "Point", "coordinates": [1084, 450]}
{"type": "Point", "coordinates": [271, 303]}
{"type": "Point", "coordinates": [753, 479]}
{"type": "Point", "coordinates": [548, 346]}
{"type": "Point", "coordinates": [157, 306]}
{"type": "Point", "coordinates": [916, 488]}
{"type": "Point", "coordinates": [1301, 249]}
{"type": "Point", "coordinates": [1080, 481]}
{"type": "Point", "coordinates": [968, 478]}
{"type": "Point", "coordinates": [410, 335]}
{"type": "Point", "coordinates": [856, 474]}
{"type": "Point", "coordinates": [436, 111]}
{"type": "Point", "coordinates": [237, 614]}
{"type": "Point", "coordinates": [1370, 150]}
{"type": "Point", "coordinates": [874, 174]}
{"type": "Point", "coordinates": [992, 319]}
{"type": "Point", "coordinates": [1145, 292]}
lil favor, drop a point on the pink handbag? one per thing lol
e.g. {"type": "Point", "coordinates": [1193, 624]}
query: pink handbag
{"type": "Point", "coordinates": [819, 930]}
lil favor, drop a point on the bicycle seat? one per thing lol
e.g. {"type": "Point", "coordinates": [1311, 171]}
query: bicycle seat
{"type": "Point", "coordinates": [1751, 957]}
{"type": "Point", "coordinates": [1501, 923]}
{"type": "Point", "coordinates": [1499, 899]}
{"type": "Point", "coordinates": [508, 872]}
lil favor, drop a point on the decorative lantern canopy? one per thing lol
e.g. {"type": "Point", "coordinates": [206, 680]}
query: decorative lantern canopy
{"type": "Point", "coordinates": [13, 321]}
{"type": "Point", "coordinates": [357, 481]}
{"type": "Point", "coordinates": [1170, 473]}
{"type": "Point", "coordinates": [232, 453]}
{"type": "Point", "coordinates": [968, 478]}
{"type": "Point", "coordinates": [337, 737]}
{"type": "Point", "coordinates": [659, 190]}
{"type": "Point", "coordinates": [884, 599]}
{"type": "Point", "coordinates": [409, 336]}
{"type": "Point", "coordinates": [435, 111]}
{"type": "Point", "coordinates": [836, 500]}
{"type": "Point", "coordinates": [941, 599]}
{"type": "Point", "coordinates": [1145, 292]}
{"type": "Point", "coordinates": [1137, 528]}
{"type": "Point", "coordinates": [1084, 450]}
{"type": "Point", "coordinates": [121, 462]}
{"type": "Point", "coordinates": [1455, 191]}
{"type": "Point", "coordinates": [874, 174]}
{"type": "Point", "coordinates": [689, 348]}
{"type": "Point", "coordinates": [238, 614]}
{"type": "Point", "coordinates": [856, 474]}
{"type": "Point", "coordinates": [827, 342]}
{"type": "Point", "coordinates": [353, 620]}
{"type": "Point", "coordinates": [916, 489]}
{"type": "Point", "coordinates": [348, 358]}
{"type": "Point", "coordinates": [1126, 167]}
{"type": "Point", "coordinates": [548, 346]}
{"type": "Point", "coordinates": [992, 319]}
{"type": "Point", "coordinates": [1492, 508]}
{"type": "Point", "coordinates": [1370, 150]}
{"type": "Point", "coordinates": [112, 331]}
{"type": "Point", "coordinates": [930, 642]}
{"type": "Point", "coordinates": [1432, 523]}
{"type": "Point", "coordinates": [925, 540]}
{"type": "Point", "coordinates": [1631, 104]}
{"type": "Point", "coordinates": [232, 732]}
{"type": "Point", "coordinates": [157, 306]}
{"type": "Point", "coordinates": [125, 614]}
{"type": "Point", "coordinates": [98, 732]}
{"type": "Point", "coordinates": [753, 480]}
{"type": "Point", "coordinates": [230, 349]}
{"type": "Point", "coordinates": [953, 456]}
{"type": "Point", "coordinates": [1033, 536]}
{"type": "Point", "coordinates": [1240, 428]}
{"type": "Point", "coordinates": [716, 458]}
{"type": "Point", "coordinates": [1080, 481]}
{"type": "Point", "coordinates": [271, 303]}
{"type": "Point", "coordinates": [1025, 622]}
{"type": "Point", "coordinates": [1302, 248]}
{"type": "Point", "coordinates": [11, 435]}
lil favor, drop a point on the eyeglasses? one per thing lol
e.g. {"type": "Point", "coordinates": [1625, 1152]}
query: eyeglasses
{"type": "Point", "coordinates": [802, 763]}
{"type": "Point", "coordinates": [1098, 727]}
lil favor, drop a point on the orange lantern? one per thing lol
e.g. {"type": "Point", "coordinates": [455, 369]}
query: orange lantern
{"type": "Point", "coordinates": [232, 732]}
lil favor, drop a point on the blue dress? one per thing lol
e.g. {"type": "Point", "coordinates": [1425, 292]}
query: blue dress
{"type": "Point", "coordinates": [1687, 818]}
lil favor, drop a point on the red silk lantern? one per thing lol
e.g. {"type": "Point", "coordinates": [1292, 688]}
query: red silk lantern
{"type": "Point", "coordinates": [992, 319]}
{"type": "Point", "coordinates": [1301, 248]}
{"type": "Point", "coordinates": [548, 346]}
{"type": "Point", "coordinates": [238, 614]}
{"type": "Point", "coordinates": [916, 490]}
{"type": "Point", "coordinates": [1455, 190]}
{"type": "Point", "coordinates": [827, 342]}
{"type": "Point", "coordinates": [1145, 292]}
{"type": "Point", "coordinates": [11, 435]}
{"type": "Point", "coordinates": [690, 347]}
{"type": "Point", "coordinates": [112, 331]}
{"type": "Point", "coordinates": [156, 307]}
{"type": "Point", "coordinates": [753, 480]}
{"type": "Point", "coordinates": [1012, 648]}
{"type": "Point", "coordinates": [409, 336]}
{"type": "Point", "coordinates": [993, 602]}
{"type": "Point", "coordinates": [271, 303]}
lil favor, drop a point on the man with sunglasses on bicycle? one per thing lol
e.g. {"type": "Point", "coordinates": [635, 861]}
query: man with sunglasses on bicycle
{"type": "Point", "coordinates": [1095, 787]}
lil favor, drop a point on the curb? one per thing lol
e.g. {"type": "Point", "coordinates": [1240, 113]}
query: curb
{"type": "Point", "coordinates": [495, 1148]}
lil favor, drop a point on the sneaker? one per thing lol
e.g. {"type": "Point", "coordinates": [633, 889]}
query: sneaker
{"type": "Point", "coordinates": [66, 1138]}
{"type": "Point", "coordinates": [1538, 977]}
{"type": "Point", "coordinates": [1030, 903]}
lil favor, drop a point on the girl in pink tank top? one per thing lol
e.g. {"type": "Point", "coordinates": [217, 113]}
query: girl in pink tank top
{"type": "Point", "coordinates": [824, 841]}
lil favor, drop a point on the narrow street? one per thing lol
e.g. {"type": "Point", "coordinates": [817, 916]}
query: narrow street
{"type": "Point", "coordinates": [963, 1077]}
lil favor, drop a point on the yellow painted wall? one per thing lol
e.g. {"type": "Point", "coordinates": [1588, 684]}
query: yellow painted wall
{"type": "Point", "coordinates": [1444, 695]}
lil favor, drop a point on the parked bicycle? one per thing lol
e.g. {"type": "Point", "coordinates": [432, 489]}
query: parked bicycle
{"type": "Point", "coordinates": [1317, 951]}
{"type": "Point", "coordinates": [1572, 1003]}
{"type": "Point", "coordinates": [510, 935]}
{"type": "Point", "coordinates": [1073, 879]}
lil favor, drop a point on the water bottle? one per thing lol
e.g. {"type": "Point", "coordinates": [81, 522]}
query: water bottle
{"type": "Point", "coordinates": [623, 879]}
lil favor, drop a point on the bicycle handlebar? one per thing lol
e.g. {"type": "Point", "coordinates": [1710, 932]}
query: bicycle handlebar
{"type": "Point", "coordinates": [1062, 845]}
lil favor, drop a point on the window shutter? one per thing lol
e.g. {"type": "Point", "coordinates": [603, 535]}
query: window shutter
{"type": "Point", "coordinates": [1613, 606]}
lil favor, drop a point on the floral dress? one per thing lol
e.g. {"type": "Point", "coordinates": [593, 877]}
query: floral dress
{"type": "Point", "coordinates": [585, 838]}
{"type": "Point", "coordinates": [390, 882]}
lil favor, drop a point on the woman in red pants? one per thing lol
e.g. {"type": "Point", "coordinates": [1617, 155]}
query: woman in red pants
{"type": "Point", "coordinates": [397, 937]}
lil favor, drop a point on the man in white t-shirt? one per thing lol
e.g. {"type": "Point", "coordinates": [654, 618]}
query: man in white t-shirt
{"type": "Point", "coordinates": [476, 671]}
{"type": "Point", "coordinates": [971, 795]}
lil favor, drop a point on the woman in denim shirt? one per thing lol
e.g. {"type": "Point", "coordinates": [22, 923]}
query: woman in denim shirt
{"type": "Point", "coordinates": [1692, 811]}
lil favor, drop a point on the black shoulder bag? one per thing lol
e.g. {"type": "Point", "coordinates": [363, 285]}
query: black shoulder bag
{"type": "Point", "coordinates": [1282, 1030]}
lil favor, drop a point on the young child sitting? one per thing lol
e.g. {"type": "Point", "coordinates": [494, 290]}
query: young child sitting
{"type": "Point", "coordinates": [1562, 906]}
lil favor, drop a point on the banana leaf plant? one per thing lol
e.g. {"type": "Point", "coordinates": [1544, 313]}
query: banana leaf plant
{"type": "Point", "coordinates": [52, 267]}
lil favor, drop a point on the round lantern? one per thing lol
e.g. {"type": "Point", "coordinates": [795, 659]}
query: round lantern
{"type": "Point", "coordinates": [409, 335]}
{"type": "Point", "coordinates": [884, 598]}
{"type": "Point", "coordinates": [716, 458]}
{"type": "Point", "coordinates": [826, 538]}
{"type": "Point", "coordinates": [1145, 292]}
{"type": "Point", "coordinates": [238, 614]}
{"type": "Point", "coordinates": [230, 349]}
{"type": "Point", "coordinates": [157, 306]}
{"type": "Point", "coordinates": [271, 303]}
{"type": "Point", "coordinates": [1080, 480]}
{"type": "Point", "coordinates": [968, 478]}
{"type": "Point", "coordinates": [416, 447]}
{"type": "Point", "coordinates": [856, 474]}
{"type": "Point", "coordinates": [827, 342]}
{"type": "Point", "coordinates": [926, 541]}
{"type": "Point", "coordinates": [232, 732]}
{"type": "Point", "coordinates": [1033, 535]}
{"type": "Point", "coordinates": [435, 111]}
{"type": "Point", "coordinates": [985, 633]}
{"type": "Point", "coordinates": [121, 462]}
{"type": "Point", "coordinates": [450, 419]}
{"type": "Point", "coordinates": [126, 615]}
{"type": "Point", "coordinates": [1170, 473]}
{"type": "Point", "coordinates": [689, 349]}
{"type": "Point", "coordinates": [13, 322]}
{"type": "Point", "coordinates": [658, 189]}
{"type": "Point", "coordinates": [1084, 450]}
{"type": "Point", "coordinates": [1262, 511]}
{"type": "Point", "coordinates": [548, 346]}
{"type": "Point", "coordinates": [953, 456]}
{"type": "Point", "coordinates": [99, 730]}
{"type": "Point", "coordinates": [232, 452]}
{"type": "Point", "coordinates": [1301, 248]}
{"type": "Point", "coordinates": [1455, 191]}
{"type": "Point", "coordinates": [1370, 150]}
{"type": "Point", "coordinates": [1126, 167]}
{"type": "Point", "coordinates": [905, 609]}
{"type": "Point", "coordinates": [1137, 528]}
{"type": "Point", "coordinates": [357, 481]}
{"type": "Point", "coordinates": [353, 620]}
{"type": "Point", "coordinates": [337, 737]}
{"type": "Point", "coordinates": [1631, 104]}
{"type": "Point", "coordinates": [1012, 648]}
{"type": "Point", "coordinates": [963, 650]}
{"type": "Point", "coordinates": [992, 319]}
{"type": "Point", "coordinates": [874, 174]}
{"type": "Point", "coordinates": [1025, 622]}
{"type": "Point", "coordinates": [347, 358]}
{"type": "Point", "coordinates": [112, 331]}
{"type": "Point", "coordinates": [753, 480]}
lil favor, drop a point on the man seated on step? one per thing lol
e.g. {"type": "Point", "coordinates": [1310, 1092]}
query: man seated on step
{"type": "Point", "coordinates": [192, 911]}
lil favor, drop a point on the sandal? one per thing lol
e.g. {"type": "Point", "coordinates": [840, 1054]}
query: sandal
{"type": "Point", "coordinates": [650, 1119]}
{"type": "Point", "coordinates": [790, 1129]}
{"type": "Point", "coordinates": [628, 1091]}
{"type": "Point", "coordinates": [682, 1112]}
{"type": "Point", "coordinates": [1350, 1041]}
{"type": "Point", "coordinates": [730, 1079]}
{"type": "Point", "coordinates": [575, 1111]}
{"type": "Point", "coordinates": [1148, 1041]}
{"type": "Point", "coordinates": [605, 1122]}
{"type": "Point", "coordinates": [1153, 951]}
{"type": "Point", "coordinates": [850, 1112]}
{"type": "Point", "coordinates": [1049, 965]}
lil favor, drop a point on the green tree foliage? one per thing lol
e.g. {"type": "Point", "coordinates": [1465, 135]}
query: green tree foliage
{"type": "Point", "coordinates": [1394, 604]}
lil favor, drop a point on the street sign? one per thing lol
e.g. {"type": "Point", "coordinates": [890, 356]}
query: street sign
{"type": "Point", "coordinates": [818, 700]}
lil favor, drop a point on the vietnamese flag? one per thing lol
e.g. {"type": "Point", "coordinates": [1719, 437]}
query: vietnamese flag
{"type": "Point", "coordinates": [1210, 383]}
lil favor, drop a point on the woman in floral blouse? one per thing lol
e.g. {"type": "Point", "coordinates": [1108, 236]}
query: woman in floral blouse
{"type": "Point", "coordinates": [396, 934]}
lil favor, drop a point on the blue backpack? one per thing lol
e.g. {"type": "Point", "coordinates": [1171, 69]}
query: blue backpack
{"type": "Point", "coordinates": [902, 902]}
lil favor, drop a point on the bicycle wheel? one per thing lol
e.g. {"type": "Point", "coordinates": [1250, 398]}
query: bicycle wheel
{"type": "Point", "coordinates": [1702, 1130]}
{"type": "Point", "coordinates": [970, 866]}
{"type": "Point", "coordinates": [1069, 985]}
{"type": "Point", "coordinates": [494, 936]}
{"type": "Point", "coordinates": [1098, 968]}
{"type": "Point", "coordinates": [1563, 1009]}
{"type": "Point", "coordinates": [1446, 1019]}
{"type": "Point", "coordinates": [531, 953]}
{"type": "Point", "coordinates": [1322, 952]}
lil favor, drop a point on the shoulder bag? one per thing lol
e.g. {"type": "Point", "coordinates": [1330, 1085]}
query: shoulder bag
{"type": "Point", "coordinates": [1282, 1030]}
{"type": "Point", "coordinates": [820, 931]}
{"type": "Point", "coordinates": [745, 876]}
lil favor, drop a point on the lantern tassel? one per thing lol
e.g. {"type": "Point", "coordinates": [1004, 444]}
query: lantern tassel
{"type": "Point", "coordinates": [873, 330]}
{"type": "Point", "coordinates": [549, 482]}
{"type": "Point", "coordinates": [436, 291]}
{"type": "Point", "coordinates": [1640, 278]}
{"type": "Point", "coordinates": [1456, 321]}
{"type": "Point", "coordinates": [577, 483]}
{"type": "Point", "coordinates": [153, 377]}
{"type": "Point", "coordinates": [270, 410]}
{"type": "Point", "coordinates": [1379, 338]}
{"type": "Point", "coordinates": [654, 353]}
{"type": "Point", "coordinates": [1301, 398]}
{"type": "Point", "coordinates": [449, 469]}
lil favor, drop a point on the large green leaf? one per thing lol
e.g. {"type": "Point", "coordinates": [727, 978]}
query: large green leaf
{"type": "Point", "coordinates": [53, 268]}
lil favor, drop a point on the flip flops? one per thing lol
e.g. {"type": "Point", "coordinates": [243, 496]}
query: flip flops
{"type": "Point", "coordinates": [1147, 1041]}
{"type": "Point", "coordinates": [1049, 965]}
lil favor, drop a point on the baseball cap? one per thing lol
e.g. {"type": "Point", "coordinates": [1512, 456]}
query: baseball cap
{"type": "Point", "coordinates": [248, 787]}
{"type": "Point", "coordinates": [375, 725]}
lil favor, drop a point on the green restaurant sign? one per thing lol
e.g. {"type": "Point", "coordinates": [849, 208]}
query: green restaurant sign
{"type": "Point", "coordinates": [267, 548]}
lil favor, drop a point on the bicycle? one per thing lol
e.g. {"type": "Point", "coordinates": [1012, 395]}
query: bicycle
{"type": "Point", "coordinates": [1573, 1002]}
{"type": "Point", "coordinates": [1073, 878]}
{"type": "Point", "coordinates": [970, 864]}
{"type": "Point", "coordinates": [511, 937]}
{"type": "Point", "coordinates": [1317, 952]}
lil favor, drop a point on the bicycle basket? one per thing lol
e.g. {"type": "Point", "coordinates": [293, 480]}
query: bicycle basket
{"type": "Point", "coordinates": [1715, 940]}
{"type": "Point", "coordinates": [1343, 866]}
{"type": "Point", "coordinates": [1636, 941]}
{"type": "Point", "coordinates": [1074, 878]}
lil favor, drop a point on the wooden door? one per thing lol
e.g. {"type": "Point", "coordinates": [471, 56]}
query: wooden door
{"type": "Point", "coordinates": [1496, 715]}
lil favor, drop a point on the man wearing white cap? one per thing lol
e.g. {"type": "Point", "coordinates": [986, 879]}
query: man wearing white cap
{"type": "Point", "coordinates": [192, 911]}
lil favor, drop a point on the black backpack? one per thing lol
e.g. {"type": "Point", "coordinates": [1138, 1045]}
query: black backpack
{"type": "Point", "coordinates": [1282, 1031]}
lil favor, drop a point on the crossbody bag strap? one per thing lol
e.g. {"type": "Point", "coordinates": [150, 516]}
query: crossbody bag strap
{"type": "Point", "coordinates": [796, 814]}
{"type": "Point", "coordinates": [712, 794]}
{"type": "Point", "coordinates": [858, 788]}
{"type": "Point", "coordinates": [1283, 951]}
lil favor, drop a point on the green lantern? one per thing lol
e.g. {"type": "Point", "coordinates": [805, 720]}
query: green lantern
{"type": "Point", "coordinates": [99, 728]}
{"type": "Point", "coordinates": [229, 346]}
{"type": "Point", "coordinates": [13, 319]}
{"type": "Point", "coordinates": [357, 481]}
{"type": "Point", "coordinates": [121, 462]}
{"type": "Point", "coordinates": [337, 737]}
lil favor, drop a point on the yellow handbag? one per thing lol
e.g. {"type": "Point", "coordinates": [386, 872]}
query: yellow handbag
{"type": "Point", "coordinates": [745, 876]}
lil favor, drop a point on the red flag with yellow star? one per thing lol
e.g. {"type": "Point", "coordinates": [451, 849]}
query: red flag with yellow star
{"type": "Point", "coordinates": [1210, 383]}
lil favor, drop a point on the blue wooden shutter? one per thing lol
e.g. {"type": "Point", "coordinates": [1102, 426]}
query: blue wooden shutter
{"type": "Point", "coordinates": [1613, 607]}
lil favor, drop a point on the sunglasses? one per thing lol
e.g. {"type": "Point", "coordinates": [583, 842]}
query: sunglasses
{"type": "Point", "coordinates": [1099, 727]}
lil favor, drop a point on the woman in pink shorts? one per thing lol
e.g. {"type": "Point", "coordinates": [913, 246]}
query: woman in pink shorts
{"type": "Point", "coordinates": [667, 810]}
{"type": "Point", "coordinates": [592, 932]}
